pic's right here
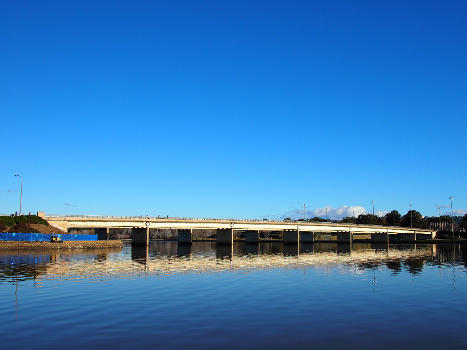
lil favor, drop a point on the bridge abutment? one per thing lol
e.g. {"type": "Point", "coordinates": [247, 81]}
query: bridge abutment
{"type": "Point", "coordinates": [140, 236]}
{"type": "Point", "coordinates": [224, 236]}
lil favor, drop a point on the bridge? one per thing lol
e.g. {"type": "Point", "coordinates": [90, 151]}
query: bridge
{"type": "Point", "coordinates": [290, 231]}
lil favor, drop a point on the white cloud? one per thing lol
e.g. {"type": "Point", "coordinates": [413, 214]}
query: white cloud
{"type": "Point", "coordinates": [332, 213]}
{"type": "Point", "coordinates": [381, 213]}
{"type": "Point", "coordinates": [457, 212]}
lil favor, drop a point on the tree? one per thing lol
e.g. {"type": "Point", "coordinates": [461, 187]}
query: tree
{"type": "Point", "coordinates": [393, 218]}
{"type": "Point", "coordinates": [318, 219]}
{"type": "Point", "coordinates": [463, 223]}
{"type": "Point", "coordinates": [416, 218]}
{"type": "Point", "coordinates": [369, 219]}
{"type": "Point", "coordinates": [349, 219]}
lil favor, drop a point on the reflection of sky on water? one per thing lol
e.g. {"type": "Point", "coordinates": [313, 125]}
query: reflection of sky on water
{"type": "Point", "coordinates": [258, 296]}
{"type": "Point", "coordinates": [165, 258]}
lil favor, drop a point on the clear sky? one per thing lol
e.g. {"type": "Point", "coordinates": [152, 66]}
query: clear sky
{"type": "Point", "coordinates": [240, 109]}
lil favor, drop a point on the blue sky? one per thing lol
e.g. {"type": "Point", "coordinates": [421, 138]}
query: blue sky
{"type": "Point", "coordinates": [232, 109]}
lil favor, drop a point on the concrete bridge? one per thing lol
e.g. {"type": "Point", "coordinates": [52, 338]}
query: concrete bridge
{"type": "Point", "coordinates": [290, 231]}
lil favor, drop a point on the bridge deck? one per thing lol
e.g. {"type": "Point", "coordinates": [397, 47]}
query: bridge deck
{"type": "Point", "coordinates": [66, 222]}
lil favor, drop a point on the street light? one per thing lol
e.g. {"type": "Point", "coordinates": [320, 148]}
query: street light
{"type": "Point", "coordinates": [21, 192]}
{"type": "Point", "coordinates": [452, 217]}
{"type": "Point", "coordinates": [411, 206]}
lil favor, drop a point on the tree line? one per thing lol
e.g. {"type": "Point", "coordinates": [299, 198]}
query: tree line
{"type": "Point", "coordinates": [412, 218]}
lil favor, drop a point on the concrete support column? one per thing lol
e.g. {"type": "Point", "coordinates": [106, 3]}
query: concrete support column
{"type": "Point", "coordinates": [185, 236]}
{"type": "Point", "coordinates": [380, 237]}
{"type": "Point", "coordinates": [140, 236]}
{"type": "Point", "coordinates": [307, 237]}
{"type": "Point", "coordinates": [102, 233]}
{"type": "Point", "coordinates": [291, 236]}
{"type": "Point", "coordinates": [224, 236]}
{"type": "Point", "coordinates": [344, 237]}
{"type": "Point", "coordinates": [251, 236]}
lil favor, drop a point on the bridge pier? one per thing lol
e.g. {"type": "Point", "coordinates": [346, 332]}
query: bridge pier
{"type": "Point", "coordinates": [252, 237]}
{"type": "Point", "coordinates": [291, 236]}
{"type": "Point", "coordinates": [102, 233]}
{"type": "Point", "coordinates": [224, 236]}
{"type": "Point", "coordinates": [185, 236]}
{"type": "Point", "coordinates": [380, 237]}
{"type": "Point", "coordinates": [307, 237]}
{"type": "Point", "coordinates": [140, 236]}
{"type": "Point", "coordinates": [344, 237]}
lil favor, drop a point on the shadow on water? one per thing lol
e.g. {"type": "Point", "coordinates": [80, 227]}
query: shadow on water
{"type": "Point", "coordinates": [224, 251]}
{"type": "Point", "coordinates": [184, 250]}
{"type": "Point", "coordinates": [251, 249]}
{"type": "Point", "coordinates": [290, 249]}
{"type": "Point", "coordinates": [140, 254]}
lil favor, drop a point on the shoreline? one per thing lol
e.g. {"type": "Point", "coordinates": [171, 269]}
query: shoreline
{"type": "Point", "coordinates": [67, 245]}
{"type": "Point", "coordinates": [264, 240]}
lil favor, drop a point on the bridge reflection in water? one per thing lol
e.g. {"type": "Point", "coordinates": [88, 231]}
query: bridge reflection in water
{"type": "Point", "coordinates": [164, 258]}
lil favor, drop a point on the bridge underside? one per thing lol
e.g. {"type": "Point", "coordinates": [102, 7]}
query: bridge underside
{"type": "Point", "coordinates": [142, 235]}
{"type": "Point", "coordinates": [225, 232]}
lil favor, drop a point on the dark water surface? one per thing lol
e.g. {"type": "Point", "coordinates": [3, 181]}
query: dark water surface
{"type": "Point", "coordinates": [248, 296]}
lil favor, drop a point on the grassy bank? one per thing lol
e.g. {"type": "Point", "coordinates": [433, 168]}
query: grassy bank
{"type": "Point", "coordinates": [27, 224]}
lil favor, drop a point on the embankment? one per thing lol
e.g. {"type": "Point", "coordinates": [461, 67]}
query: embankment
{"type": "Point", "coordinates": [64, 245]}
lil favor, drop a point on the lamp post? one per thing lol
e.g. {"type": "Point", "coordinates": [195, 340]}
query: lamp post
{"type": "Point", "coordinates": [21, 192]}
{"type": "Point", "coordinates": [452, 217]}
{"type": "Point", "coordinates": [411, 206]}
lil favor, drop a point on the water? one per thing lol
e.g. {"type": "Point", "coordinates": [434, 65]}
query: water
{"type": "Point", "coordinates": [268, 296]}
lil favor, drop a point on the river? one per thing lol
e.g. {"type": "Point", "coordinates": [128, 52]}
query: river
{"type": "Point", "coordinates": [266, 296]}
